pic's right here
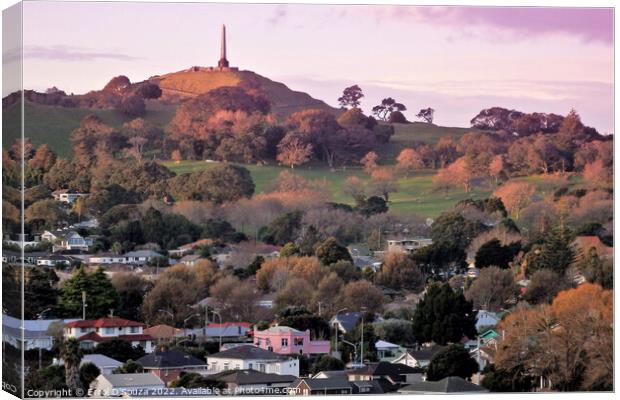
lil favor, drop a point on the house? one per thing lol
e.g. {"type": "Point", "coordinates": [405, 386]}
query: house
{"type": "Point", "coordinates": [141, 257]}
{"type": "Point", "coordinates": [488, 337]}
{"type": "Point", "coordinates": [229, 331]}
{"type": "Point", "coordinates": [54, 260]}
{"type": "Point", "coordinates": [106, 258]}
{"type": "Point", "coordinates": [346, 322]}
{"type": "Point", "coordinates": [451, 384]}
{"type": "Point", "coordinates": [105, 364]}
{"type": "Point", "coordinates": [162, 332]}
{"type": "Point", "coordinates": [329, 374]}
{"type": "Point", "coordinates": [168, 365]}
{"type": "Point", "coordinates": [407, 359]}
{"type": "Point", "coordinates": [286, 340]}
{"type": "Point", "coordinates": [388, 351]}
{"type": "Point", "coordinates": [252, 357]}
{"type": "Point", "coordinates": [408, 245]}
{"type": "Point", "coordinates": [252, 382]}
{"type": "Point", "coordinates": [92, 332]}
{"type": "Point", "coordinates": [29, 334]}
{"type": "Point", "coordinates": [66, 197]}
{"type": "Point", "coordinates": [116, 385]}
{"type": "Point", "coordinates": [191, 259]}
{"type": "Point", "coordinates": [31, 258]}
{"type": "Point", "coordinates": [421, 357]}
{"type": "Point", "coordinates": [68, 240]}
{"type": "Point", "coordinates": [486, 319]}
{"type": "Point", "coordinates": [309, 386]}
{"type": "Point", "coordinates": [189, 247]}
{"type": "Point", "coordinates": [391, 376]}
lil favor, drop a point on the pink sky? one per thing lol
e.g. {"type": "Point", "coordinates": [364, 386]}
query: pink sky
{"type": "Point", "coordinates": [457, 60]}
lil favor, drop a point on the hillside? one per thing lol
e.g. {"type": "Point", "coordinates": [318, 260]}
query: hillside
{"type": "Point", "coordinates": [194, 81]}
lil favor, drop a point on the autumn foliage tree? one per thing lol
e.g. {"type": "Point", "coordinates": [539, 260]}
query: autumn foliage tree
{"type": "Point", "coordinates": [293, 151]}
{"type": "Point", "coordinates": [515, 196]}
{"type": "Point", "coordinates": [409, 160]}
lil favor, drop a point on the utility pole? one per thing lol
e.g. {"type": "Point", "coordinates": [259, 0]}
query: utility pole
{"type": "Point", "coordinates": [362, 338]}
{"type": "Point", "coordinates": [319, 308]}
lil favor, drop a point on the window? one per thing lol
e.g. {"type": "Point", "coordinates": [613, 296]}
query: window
{"type": "Point", "coordinates": [261, 367]}
{"type": "Point", "coordinates": [250, 366]}
{"type": "Point", "coordinates": [284, 342]}
{"type": "Point", "coordinates": [108, 331]}
{"type": "Point", "coordinates": [299, 341]}
{"type": "Point", "coordinates": [134, 329]}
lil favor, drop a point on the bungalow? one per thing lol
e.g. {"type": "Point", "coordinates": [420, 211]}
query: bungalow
{"type": "Point", "coordinates": [13, 257]}
{"type": "Point", "coordinates": [168, 365]}
{"type": "Point", "coordinates": [408, 245]}
{"type": "Point", "coordinates": [141, 257]}
{"type": "Point", "coordinates": [116, 385]}
{"type": "Point", "coordinates": [106, 258]}
{"type": "Point", "coordinates": [54, 260]}
{"type": "Point", "coordinates": [92, 332]}
{"type": "Point", "coordinates": [451, 384]}
{"type": "Point", "coordinates": [252, 357]}
{"type": "Point", "coordinates": [66, 197]}
{"type": "Point", "coordinates": [252, 382]}
{"type": "Point", "coordinates": [229, 331]}
{"type": "Point", "coordinates": [286, 340]}
{"type": "Point", "coordinates": [68, 240]}
{"type": "Point", "coordinates": [189, 247]}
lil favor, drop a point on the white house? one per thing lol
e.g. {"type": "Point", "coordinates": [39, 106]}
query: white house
{"type": "Point", "coordinates": [105, 364]}
{"type": "Point", "coordinates": [54, 260]}
{"type": "Point", "coordinates": [486, 319]}
{"type": "Point", "coordinates": [138, 257]}
{"type": "Point", "coordinates": [106, 258]}
{"type": "Point", "coordinates": [66, 197]}
{"type": "Point", "coordinates": [252, 357]}
{"type": "Point", "coordinates": [35, 332]}
{"type": "Point", "coordinates": [92, 332]}
{"type": "Point", "coordinates": [116, 385]}
{"type": "Point", "coordinates": [68, 240]}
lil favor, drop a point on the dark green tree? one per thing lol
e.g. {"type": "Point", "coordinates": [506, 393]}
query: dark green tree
{"type": "Point", "coordinates": [40, 293]}
{"type": "Point", "coordinates": [101, 296]}
{"type": "Point", "coordinates": [501, 380]}
{"type": "Point", "coordinates": [120, 350]}
{"type": "Point", "coordinates": [330, 252]}
{"type": "Point", "coordinates": [327, 363]}
{"type": "Point", "coordinates": [301, 318]}
{"type": "Point", "coordinates": [255, 265]}
{"type": "Point", "coordinates": [88, 373]}
{"type": "Point", "coordinates": [557, 252]}
{"type": "Point", "coordinates": [443, 316]}
{"type": "Point", "coordinates": [129, 367]}
{"type": "Point", "coordinates": [452, 360]}
{"type": "Point", "coordinates": [371, 205]}
{"type": "Point", "coordinates": [282, 229]}
{"type": "Point", "coordinates": [494, 253]}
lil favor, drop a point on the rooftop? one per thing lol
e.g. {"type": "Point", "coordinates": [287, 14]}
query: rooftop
{"type": "Point", "coordinates": [248, 352]}
{"type": "Point", "coordinates": [451, 384]}
{"type": "Point", "coordinates": [169, 359]}
{"type": "Point", "coordinates": [102, 323]}
{"type": "Point", "coordinates": [250, 376]}
{"type": "Point", "coordinates": [129, 380]}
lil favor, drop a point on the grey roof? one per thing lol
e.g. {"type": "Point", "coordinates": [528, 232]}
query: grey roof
{"type": "Point", "coordinates": [142, 253]}
{"type": "Point", "coordinates": [348, 320]}
{"type": "Point", "coordinates": [250, 376]}
{"type": "Point", "coordinates": [169, 359]}
{"type": "Point", "coordinates": [134, 380]}
{"type": "Point", "coordinates": [367, 387]}
{"type": "Point", "coordinates": [424, 353]}
{"type": "Point", "coordinates": [33, 328]}
{"type": "Point", "coordinates": [330, 374]}
{"type": "Point", "coordinates": [248, 352]}
{"type": "Point", "coordinates": [101, 361]}
{"type": "Point", "coordinates": [324, 384]}
{"type": "Point", "coordinates": [451, 384]}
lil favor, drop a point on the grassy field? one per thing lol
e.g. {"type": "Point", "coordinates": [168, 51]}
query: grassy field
{"type": "Point", "coordinates": [415, 194]}
{"type": "Point", "coordinates": [53, 125]}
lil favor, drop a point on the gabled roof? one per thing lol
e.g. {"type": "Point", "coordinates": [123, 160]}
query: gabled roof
{"type": "Point", "coordinates": [329, 374]}
{"type": "Point", "coordinates": [279, 329]}
{"type": "Point", "coordinates": [384, 368]}
{"type": "Point", "coordinates": [324, 384]}
{"type": "Point", "coordinates": [424, 353]}
{"type": "Point", "coordinates": [250, 376]}
{"type": "Point", "coordinates": [102, 323]}
{"type": "Point", "coordinates": [367, 387]}
{"type": "Point", "coordinates": [348, 320]}
{"type": "Point", "coordinates": [133, 380]}
{"type": "Point", "coordinates": [248, 352]}
{"type": "Point", "coordinates": [169, 359]}
{"type": "Point", "coordinates": [382, 344]}
{"type": "Point", "coordinates": [100, 361]}
{"type": "Point", "coordinates": [451, 384]}
{"type": "Point", "coordinates": [162, 331]}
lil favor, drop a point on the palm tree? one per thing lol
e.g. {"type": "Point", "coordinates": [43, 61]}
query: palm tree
{"type": "Point", "coordinates": [72, 356]}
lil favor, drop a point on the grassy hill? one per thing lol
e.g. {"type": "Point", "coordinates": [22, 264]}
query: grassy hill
{"type": "Point", "coordinates": [53, 125]}
{"type": "Point", "coordinates": [415, 194]}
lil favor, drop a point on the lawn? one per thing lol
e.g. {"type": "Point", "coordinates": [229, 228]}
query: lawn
{"type": "Point", "coordinates": [415, 194]}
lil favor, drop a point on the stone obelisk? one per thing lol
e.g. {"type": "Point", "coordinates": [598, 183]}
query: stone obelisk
{"type": "Point", "coordinates": [223, 63]}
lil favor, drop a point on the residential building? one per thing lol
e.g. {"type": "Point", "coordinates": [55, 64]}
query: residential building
{"type": "Point", "coordinates": [484, 355]}
{"type": "Point", "coordinates": [391, 376]}
{"type": "Point", "coordinates": [189, 247]}
{"type": "Point", "coordinates": [252, 357]}
{"type": "Point", "coordinates": [34, 334]}
{"type": "Point", "coordinates": [106, 258]}
{"type": "Point", "coordinates": [486, 319]}
{"type": "Point", "coordinates": [105, 364]}
{"type": "Point", "coordinates": [191, 259]}
{"type": "Point", "coordinates": [162, 332]}
{"type": "Point", "coordinates": [387, 351]}
{"type": "Point", "coordinates": [66, 197]}
{"type": "Point", "coordinates": [252, 382]}
{"type": "Point", "coordinates": [168, 365]}
{"type": "Point", "coordinates": [31, 258]}
{"type": "Point", "coordinates": [408, 245]}
{"type": "Point", "coordinates": [407, 359]}
{"type": "Point", "coordinates": [68, 240]}
{"type": "Point", "coordinates": [451, 384]}
{"type": "Point", "coordinates": [92, 332]}
{"type": "Point", "coordinates": [333, 386]}
{"type": "Point", "coordinates": [420, 357]}
{"type": "Point", "coordinates": [138, 257]}
{"type": "Point", "coordinates": [286, 340]}
{"type": "Point", "coordinates": [346, 322]}
{"type": "Point", "coordinates": [117, 385]}
{"type": "Point", "coordinates": [54, 260]}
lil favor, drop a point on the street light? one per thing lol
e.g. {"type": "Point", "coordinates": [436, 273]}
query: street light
{"type": "Point", "coordinates": [336, 326]}
{"type": "Point", "coordinates": [362, 338]}
{"type": "Point", "coordinates": [354, 348]}
{"type": "Point", "coordinates": [185, 322]}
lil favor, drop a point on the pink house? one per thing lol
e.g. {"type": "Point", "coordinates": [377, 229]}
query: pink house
{"type": "Point", "coordinates": [285, 340]}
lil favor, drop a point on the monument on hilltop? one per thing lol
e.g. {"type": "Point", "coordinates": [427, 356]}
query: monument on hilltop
{"type": "Point", "coordinates": [222, 64]}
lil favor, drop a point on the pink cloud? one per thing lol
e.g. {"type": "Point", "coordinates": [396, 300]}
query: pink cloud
{"type": "Point", "coordinates": [589, 24]}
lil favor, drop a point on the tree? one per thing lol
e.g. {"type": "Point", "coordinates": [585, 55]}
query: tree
{"type": "Point", "coordinates": [351, 97]}
{"type": "Point", "coordinates": [371, 206]}
{"type": "Point", "coordinates": [595, 269]}
{"type": "Point", "coordinates": [456, 174]}
{"type": "Point", "coordinates": [383, 182]}
{"type": "Point", "coordinates": [72, 356]}
{"type": "Point", "coordinates": [516, 196]}
{"type": "Point", "coordinates": [302, 319]}
{"type": "Point", "coordinates": [293, 151]}
{"type": "Point", "coordinates": [227, 183]}
{"type": "Point", "coordinates": [427, 114]}
{"type": "Point", "coordinates": [386, 108]}
{"type": "Point", "coordinates": [330, 252]}
{"type": "Point", "coordinates": [120, 350]}
{"type": "Point", "coordinates": [236, 299]}
{"type": "Point", "coordinates": [598, 174]}
{"type": "Point", "coordinates": [443, 316]}
{"type": "Point", "coordinates": [362, 294]}
{"type": "Point", "coordinates": [557, 252]}
{"type": "Point", "coordinates": [327, 363]}
{"type": "Point", "coordinates": [399, 271]}
{"type": "Point", "coordinates": [101, 297]}
{"type": "Point", "coordinates": [329, 293]}
{"type": "Point", "coordinates": [543, 287]}
{"type": "Point", "coordinates": [40, 292]}
{"type": "Point", "coordinates": [176, 156]}
{"type": "Point", "coordinates": [282, 229]}
{"type": "Point", "coordinates": [408, 161]}
{"type": "Point", "coordinates": [44, 213]}
{"type": "Point", "coordinates": [43, 159]}
{"type": "Point", "coordinates": [88, 373]}
{"type": "Point", "coordinates": [370, 161]}
{"type": "Point", "coordinates": [491, 289]}
{"type": "Point", "coordinates": [497, 167]}
{"type": "Point", "coordinates": [132, 289]}
{"type": "Point", "coordinates": [452, 360]}
{"type": "Point", "coordinates": [297, 292]}
{"type": "Point", "coordinates": [149, 91]}
{"type": "Point", "coordinates": [129, 367]}
{"type": "Point", "coordinates": [493, 253]}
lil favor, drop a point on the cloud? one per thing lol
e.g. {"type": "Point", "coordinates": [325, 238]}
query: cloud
{"type": "Point", "coordinates": [587, 24]}
{"type": "Point", "coordinates": [63, 53]}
